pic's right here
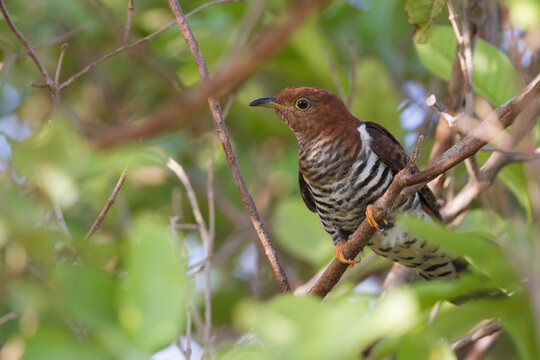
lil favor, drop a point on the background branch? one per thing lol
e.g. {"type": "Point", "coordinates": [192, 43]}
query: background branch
{"type": "Point", "coordinates": [236, 69]}
{"type": "Point", "coordinates": [230, 155]}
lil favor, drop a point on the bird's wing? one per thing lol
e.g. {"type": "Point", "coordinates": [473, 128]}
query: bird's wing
{"type": "Point", "coordinates": [306, 193]}
{"type": "Point", "coordinates": [389, 150]}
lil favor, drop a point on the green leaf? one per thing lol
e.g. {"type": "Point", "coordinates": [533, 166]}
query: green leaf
{"type": "Point", "coordinates": [513, 176]}
{"type": "Point", "coordinates": [524, 13]}
{"type": "Point", "coordinates": [86, 294]}
{"type": "Point", "coordinates": [152, 302]}
{"type": "Point", "coordinates": [494, 77]}
{"type": "Point", "coordinates": [478, 248]}
{"type": "Point", "coordinates": [306, 328]}
{"type": "Point", "coordinates": [53, 343]}
{"type": "Point", "coordinates": [421, 14]}
{"type": "Point", "coordinates": [518, 320]}
{"type": "Point", "coordinates": [300, 232]}
{"type": "Point", "coordinates": [377, 98]}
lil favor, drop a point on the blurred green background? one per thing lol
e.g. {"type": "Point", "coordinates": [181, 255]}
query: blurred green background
{"type": "Point", "coordinates": [129, 290]}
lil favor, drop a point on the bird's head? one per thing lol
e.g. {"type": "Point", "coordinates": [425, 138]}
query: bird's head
{"type": "Point", "coordinates": [308, 110]}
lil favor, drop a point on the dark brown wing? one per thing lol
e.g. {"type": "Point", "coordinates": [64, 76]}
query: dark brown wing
{"type": "Point", "coordinates": [389, 150]}
{"type": "Point", "coordinates": [306, 193]}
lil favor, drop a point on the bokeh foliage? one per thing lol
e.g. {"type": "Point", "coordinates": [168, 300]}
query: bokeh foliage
{"type": "Point", "coordinates": [124, 292]}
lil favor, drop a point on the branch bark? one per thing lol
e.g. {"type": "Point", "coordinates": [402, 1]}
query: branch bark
{"type": "Point", "coordinates": [236, 70]}
{"type": "Point", "coordinates": [230, 155]}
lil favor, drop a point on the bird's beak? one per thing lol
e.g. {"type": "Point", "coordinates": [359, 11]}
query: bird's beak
{"type": "Point", "coordinates": [270, 102]}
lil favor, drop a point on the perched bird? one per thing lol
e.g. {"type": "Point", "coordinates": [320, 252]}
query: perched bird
{"type": "Point", "coordinates": [345, 164]}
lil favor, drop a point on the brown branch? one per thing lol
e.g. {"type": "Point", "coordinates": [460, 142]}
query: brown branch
{"type": "Point", "coordinates": [487, 330]}
{"type": "Point", "coordinates": [236, 70]}
{"type": "Point", "coordinates": [128, 22]}
{"type": "Point", "coordinates": [9, 316]}
{"type": "Point", "coordinates": [125, 47]}
{"type": "Point", "coordinates": [222, 132]}
{"type": "Point", "coordinates": [108, 204]}
{"type": "Point", "coordinates": [490, 169]}
{"type": "Point", "coordinates": [405, 184]}
{"type": "Point", "coordinates": [59, 216]}
{"type": "Point", "coordinates": [60, 61]}
{"type": "Point", "coordinates": [49, 82]}
{"type": "Point", "coordinates": [26, 44]}
{"type": "Point", "coordinates": [208, 245]}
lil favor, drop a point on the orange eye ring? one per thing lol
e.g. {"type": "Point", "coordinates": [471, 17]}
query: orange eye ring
{"type": "Point", "coordinates": [302, 104]}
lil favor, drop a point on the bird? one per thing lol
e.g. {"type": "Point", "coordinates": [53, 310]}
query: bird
{"type": "Point", "coordinates": [344, 165]}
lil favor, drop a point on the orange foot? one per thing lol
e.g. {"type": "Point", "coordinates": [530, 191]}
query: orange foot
{"type": "Point", "coordinates": [339, 255]}
{"type": "Point", "coordinates": [371, 219]}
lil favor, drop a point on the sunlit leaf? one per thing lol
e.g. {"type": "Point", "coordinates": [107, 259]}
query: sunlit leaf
{"type": "Point", "coordinates": [438, 56]}
{"type": "Point", "coordinates": [514, 178]}
{"type": "Point", "coordinates": [305, 328]}
{"type": "Point", "coordinates": [300, 231]}
{"type": "Point", "coordinates": [478, 248]}
{"type": "Point", "coordinates": [376, 98]}
{"type": "Point", "coordinates": [518, 320]}
{"type": "Point", "coordinates": [524, 13]}
{"type": "Point", "coordinates": [422, 14]}
{"type": "Point", "coordinates": [152, 301]}
{"type": "Point", "coordinates": [54, 343]}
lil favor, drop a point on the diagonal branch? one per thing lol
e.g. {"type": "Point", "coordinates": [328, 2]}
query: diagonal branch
{"type": "Point", "coordinates": [26, 44]}
{"type": "Point", "coordinates": [126, 46]}
{"type": "Point", "coordinates": [239, 66]}
{"type": "Point", "coordinates": [108, 204]}
{"type": "Point", "coordinates": [230, 155]}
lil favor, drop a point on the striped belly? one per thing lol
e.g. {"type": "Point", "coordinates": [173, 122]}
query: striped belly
{"type": "Point", "coordinates": [341, 203]}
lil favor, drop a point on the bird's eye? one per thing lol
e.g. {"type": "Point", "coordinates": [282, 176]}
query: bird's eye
{"type": "Point", "coordinates": [302, 104]}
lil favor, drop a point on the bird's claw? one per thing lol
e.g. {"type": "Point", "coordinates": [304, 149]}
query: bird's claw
{"type": "Point", "coordinates": [371, 219]}
{"type": "Point", "coordinates": [339, 255]}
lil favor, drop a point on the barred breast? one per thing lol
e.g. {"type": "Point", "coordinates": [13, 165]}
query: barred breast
{"type": "Point", "coordinates": [344, 184]}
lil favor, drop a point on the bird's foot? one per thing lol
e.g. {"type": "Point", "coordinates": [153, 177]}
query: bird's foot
{"type": "Point", "coordinates": [339, 254]}
{"type": "Point", "coordinates": [371, 219]}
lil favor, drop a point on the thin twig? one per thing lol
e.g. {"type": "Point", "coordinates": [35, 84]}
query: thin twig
{"type": "Point", "coordinates": [490, 169]}
{"type": "Point", "coordinates": [59, 216]}
{"type": "Point", "coordinates": [335, 75]}
{"type": "Point", "coordinates": [9, 316]}
{"type": "Point", "coordinates": [108, 204]}
{"type": "Point", "coordinates": [354, 76]}
{"type": "Point", "coordinates": [182, 176]}
{"type": "Point", "coordinates": [60, 60]}
{"type": "Point", "coordinates": [207, 242]}
{"type": "Point", "coordinates": [26, 44]}
{"type": "Point", "coordinates": [135, 43]}
{"type": "Point", "coordinates": [230, 155]}
{"type": "Point", "coordinates": [128, 22]}
{"type": "Point", "coordinates": [235, 70]}
{"type": "Point", "coordinates": [210, 249]}
{"type": "Point", "coordinates": [487, 330]}
{"type": "Point", "coordinates": [187, 351]}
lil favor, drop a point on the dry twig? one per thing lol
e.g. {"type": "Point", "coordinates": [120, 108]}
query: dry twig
{"type": "Point", "coordinates": [487, 330]}
{"type": "Point", "coordinates": [207, 240]}
{"type": "Point", "coordinates": [222, 132]}
{"type": "Point", "coordinates": [108, 204]}
{"type": "Point", "coordinates": [235, 70]}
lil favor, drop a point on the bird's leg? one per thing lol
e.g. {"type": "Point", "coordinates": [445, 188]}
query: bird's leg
{"type": "Point", "coordinates": [371, 219]}
{"type": "Point", "coordinates": [339, 254]}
